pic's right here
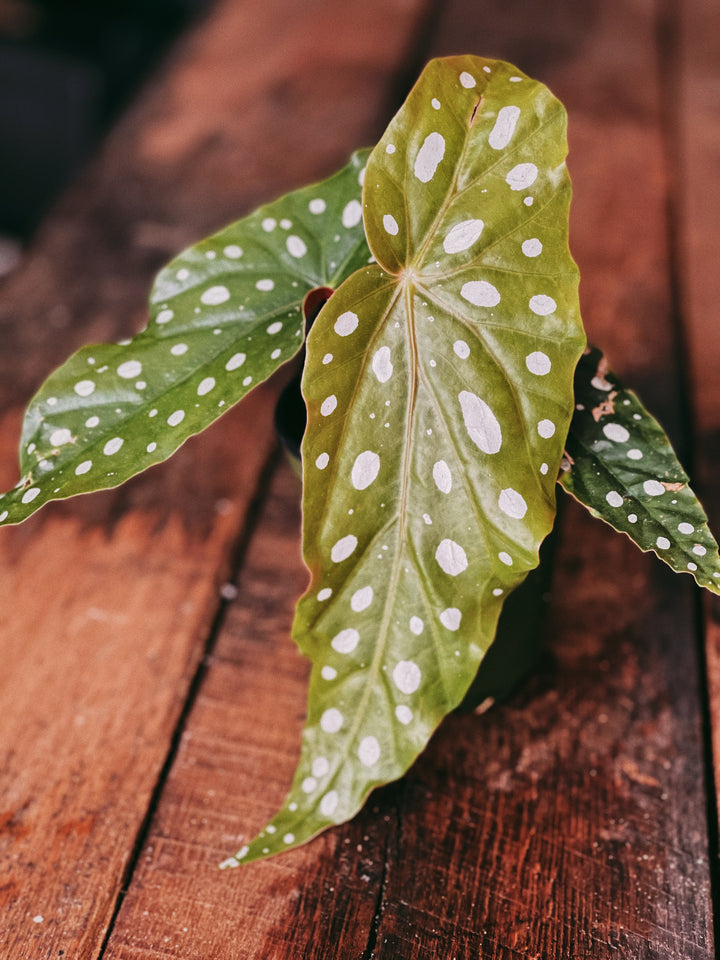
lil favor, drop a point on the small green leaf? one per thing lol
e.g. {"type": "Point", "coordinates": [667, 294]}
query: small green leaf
{"type": "Point", "coordinates": [224, 315]}
{"type": "Point", "coordinates": [622, 467]}
{"type": "Point", "coordinates": [439, 392]}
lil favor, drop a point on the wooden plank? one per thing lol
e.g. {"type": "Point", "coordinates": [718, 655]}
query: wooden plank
{"type": "Point", "coordinates": [568, 822]}
{"type": "Point", "coordinates": [232, 767]}
{"type": "Point", "coordinates": [107, 602]}
{"type": "Point", "coordinates": [697, 133]}
{"type": "Point", "coordinates": [591, 847]}
{"type": "Point", "coordinates": [697, 142]}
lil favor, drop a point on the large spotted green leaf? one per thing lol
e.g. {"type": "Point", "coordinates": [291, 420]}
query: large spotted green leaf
{"type": "Point", "coordinates": [621, 466]}
{"type": "Point", "coordinates": [224, 315]}
{"type": "Point", "coordinates": [439, 386]}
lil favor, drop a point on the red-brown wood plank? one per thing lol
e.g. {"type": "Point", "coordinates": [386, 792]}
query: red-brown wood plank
{"type": "Point", "coordinates": [595, 840]}
{"type": "Point", "coordinates": [107, 601]}
{"type": "Point", "coordinates": [569, 822]}
{"type": "Point", "coordinates": [697, 140]}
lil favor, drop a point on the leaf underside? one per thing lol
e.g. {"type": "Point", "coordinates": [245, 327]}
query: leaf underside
{"type": "Point", "coordinates": [439, 387]}
{"type": "Point", "coordinates": [225, 314]}
{"type": "Point", "coordinates": [622, 467]}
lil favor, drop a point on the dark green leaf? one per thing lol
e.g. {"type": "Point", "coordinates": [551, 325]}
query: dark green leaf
{"type": "Point", "coordinates": [622, 467]}
{"type": "Point", "coordinates": [224, 315]}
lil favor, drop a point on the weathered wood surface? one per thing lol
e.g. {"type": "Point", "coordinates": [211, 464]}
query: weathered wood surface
{"type": "Point", "coordinates": [107, 603]}
{"type": "Point", "coordinates": [569, 822]}
{"type": "Point", "coordinates": [698, 160]}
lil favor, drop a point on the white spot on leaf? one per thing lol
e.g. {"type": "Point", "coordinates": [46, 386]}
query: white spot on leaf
{"type": "Point", "coordinates": [346, 323]}
{"type": "Point", "coordinates": [407, 676]}
{"type": "Point", "coordinates": [429, 156]}
{"type": "Point", "coordinates": [616, 432]}
{"type": "Point", "coordinates": [480, 422]}
{"type": "Point", "coordinates": [390, 224]}
{"type": "Point", "coordinates": [235, 361]}
{"type": "Point", "coordinates": [343, 548]}
{"type": "Point", "coordinates": [404, 714]}
{"type": "Point", "coordinates": [451, 618]}
{"type": "Point", "coordinates": [442, 476]}
{"type": "Point", "coordinates": [362, 599]}
{"type": "Point", "coordinates": [532, 247]}
{"type": "Point", "coordinates": [296, 247]}
{"type": "Point", "coordinates": [345, 641]}
{"type": "Point", "coordinates": [522, 176]}
{"type": "Point", "coordinates": [129, 369]}
{"type": "Point", "coordinates": [112, 446]}
{"type": "Point", "coordinates": [538, 363]}
{"type": "Point", "coordinates": [462, 236]}
{"type": "Point", "coordinates": [331, 721]}
{"type": "Point", "coordinates": [320, 767]}
{"type": "Point", "coordinates": [546, 429]}
{"type": "Point", "coordinates": [451, 557]}
{"type": "Point", "coordinates": [542, 305]}
{"type": "Point", "coordinates": [382, 365]}
{"type": "Point", "coordinates": [329, 803]}
{"type": "Point", "coordinates": [501, 133]}
{"type": "Point", "coordinates": [481, 293]}
{"type": "Point", "coordinates": [369, 751]}
{"type": "Point", "coordinates": [352, 214]}
{"type": "Point", "coordinates": [512, 503]}
{"type": "Point", "coordinates": [653, 488]}
{"type": "Point", "coordinates": [60, 436]}
{"type": "Point", "coordinates": [328, 405]}
{"type": "Point", "coordinates": [365, 469]}
{"type": "Point", "coordinates": [215, 295]}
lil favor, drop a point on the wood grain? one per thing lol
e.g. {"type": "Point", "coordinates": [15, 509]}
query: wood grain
{"type": "Point", "coordinates": [108, 601]}
{"type": "Point", "coordinates": [697, 142]}
{"type": "Point", "coordinates": [568, 822]}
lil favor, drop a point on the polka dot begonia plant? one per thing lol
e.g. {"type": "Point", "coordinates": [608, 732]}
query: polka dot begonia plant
{"type": "Point", "coordinates": [448, 389]}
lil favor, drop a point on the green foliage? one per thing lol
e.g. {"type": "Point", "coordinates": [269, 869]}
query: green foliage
{"type": "Point", "coordinates": [440, 382]}
{"type": "Point", "coordinates": [620, 465]}
{"type": "Point", "coordinates": [225, 315]}
{"type": "Point", "coordinates": [439, 391]}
